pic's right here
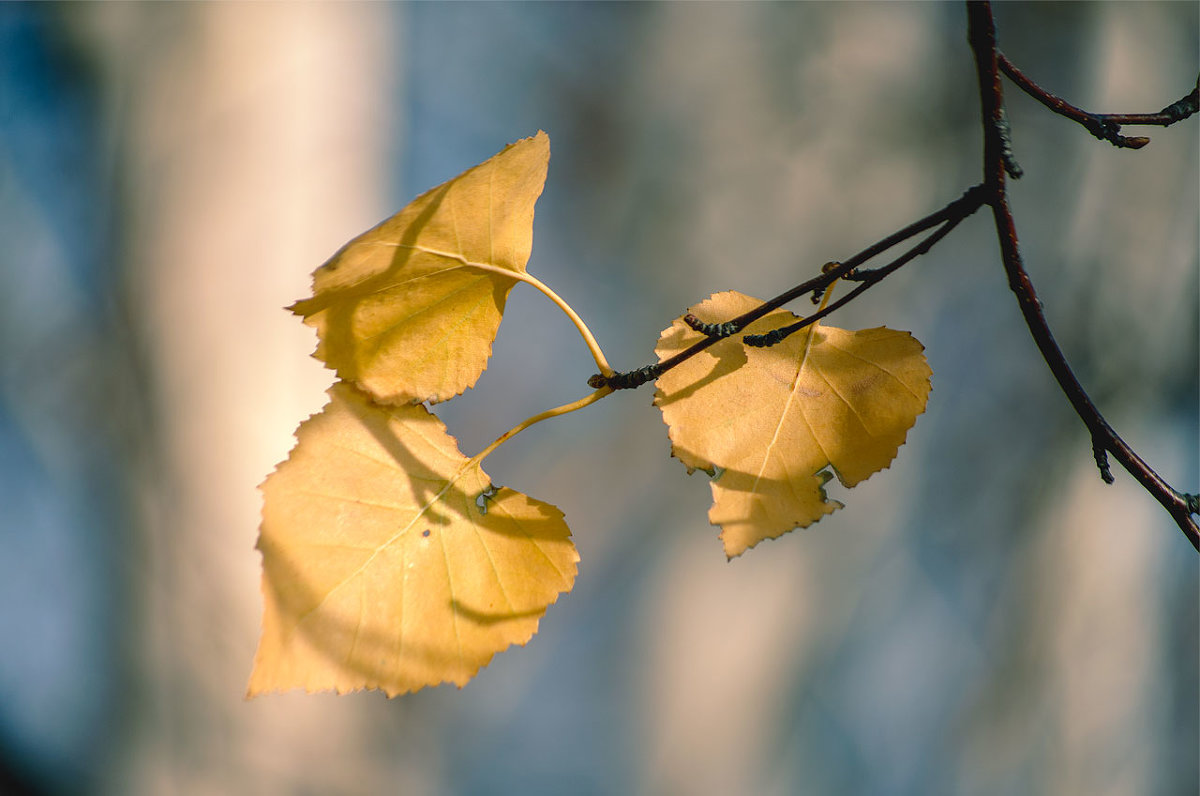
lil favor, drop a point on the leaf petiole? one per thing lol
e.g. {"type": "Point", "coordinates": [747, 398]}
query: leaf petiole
{"type": "Point", "coordinates": [828, 293]}
{"type": "Point", "coordinates": [557, 411]}
{"type": "Point", "coordinates": [584, 332]}
{"type": "Point", "coordinates": [521, 276]}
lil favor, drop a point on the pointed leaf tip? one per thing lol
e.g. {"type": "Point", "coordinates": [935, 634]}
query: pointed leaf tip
{"type": "Point", "coordinates": [409, 309]}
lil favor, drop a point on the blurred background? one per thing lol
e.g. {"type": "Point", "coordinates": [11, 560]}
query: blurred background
{"type": "Point", "coordinates": [985, 617]}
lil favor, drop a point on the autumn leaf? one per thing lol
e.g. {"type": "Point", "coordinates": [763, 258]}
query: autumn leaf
{"type": "Point", "coordinates": [769, 422]}
{"type": "Point", "coordinates": [388, 559]}
{"type": "Point", "coordinates": [409, 309]}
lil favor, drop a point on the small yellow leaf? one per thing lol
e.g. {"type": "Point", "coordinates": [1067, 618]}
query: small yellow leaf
{"type": "Point", "coordinates": [769, 421]}
{"type": "Point", "coordinates": [390, 562]}
{"type": "Point", "coordinates": [408, 310]}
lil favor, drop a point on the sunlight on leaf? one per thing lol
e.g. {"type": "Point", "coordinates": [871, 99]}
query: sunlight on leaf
{"type": "Point", "coordinates": [408, 310]}
{"type": "Point", "coordinates": [381, 568]}
{"type": "Point", "coordinates": [775, 418]}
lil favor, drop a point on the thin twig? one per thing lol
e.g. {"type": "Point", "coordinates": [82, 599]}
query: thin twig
{"type": "Point", "coordinates": [1105, 126]}
{"type": "Point", "coordinates": [776, 336]}
{"type": "Point", "coordinates": [1175, 112]}
{"type": "Point", "coordinates": [981, 33]}
{"type": "Point", "coordinates": [955, 211]}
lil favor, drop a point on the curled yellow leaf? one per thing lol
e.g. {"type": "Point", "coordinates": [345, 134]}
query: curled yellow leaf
{"type": "Point", "coordinates": [390, 561]}
{"type": "Point", "coordinates": [409, 309]}
{"type": "Point", "coordinates": [769, 422]}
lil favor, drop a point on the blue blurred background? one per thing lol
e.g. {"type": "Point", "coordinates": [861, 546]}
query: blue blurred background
{"type": "Point", "coordinates": [984, 617]}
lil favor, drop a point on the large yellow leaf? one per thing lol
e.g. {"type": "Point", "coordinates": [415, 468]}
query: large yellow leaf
{"type": "Point", "coordinates": [408, 310]}
{"type": "Point", "coordinates": [387, 560]}
{"type": "Point", "coordinates": [769, 421]}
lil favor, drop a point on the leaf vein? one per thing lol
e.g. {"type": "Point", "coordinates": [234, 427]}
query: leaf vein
{"type": "Point", "coordinates": [422, 310]}
{"type": "Point", "coordinates": [849, 405]}
{"type": "Point", "coordinates": [562, 575]}
{"type": "Point", "coordinates": [877, 366]}
{"type": "Point", "coordinates": [492, 562]}
{"type": "Point", "coordinates": [383, 546]}
{"type": "Point", "coordinates": [357, 625]}
{"type": "Point", "coordinates": [346, 499]}
{"type": "Point", "coordinates": [450, 586]}
{"type": "Point", "coordinates": [786, 409]}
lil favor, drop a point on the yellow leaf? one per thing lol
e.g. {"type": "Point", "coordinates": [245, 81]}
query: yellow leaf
{"type": "Point", "coordinates": [773, 419]}
{"type": "Point", "coordinates": [408, 310]}
{"type": "Point", "coordinates": [387, 560]}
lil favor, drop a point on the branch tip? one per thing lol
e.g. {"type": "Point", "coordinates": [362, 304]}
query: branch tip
{"type": "Point", "coordinates": [1101, 455]}
{"type": "Point", "coordinates": [1104, 126]}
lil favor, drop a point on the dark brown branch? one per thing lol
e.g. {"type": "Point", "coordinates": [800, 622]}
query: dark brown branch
{"type": "Point", "coordinates": [982, 36]}
{"type": "Point", "coordinates": [776, 336]}
{"type": "Point", "coordinates": [954, 212]}
{"type": "Point", "coordinates": [1105, 126]}
{"type": "Point", "coordinates": [1175, 112]}
{"type": "Point", "coordinates": [998, 163]}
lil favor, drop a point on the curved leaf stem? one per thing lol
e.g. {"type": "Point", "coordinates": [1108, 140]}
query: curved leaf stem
{"type": "Point", "coordinates": [827, 295]}
{"type": "Point", "coordinates": [557, 411]}
{"type": "Point", "coordinates": [588, 338]}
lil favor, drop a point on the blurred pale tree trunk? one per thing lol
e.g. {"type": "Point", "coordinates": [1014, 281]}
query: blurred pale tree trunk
{"type": "Point", "coordinates": [250, 140]}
